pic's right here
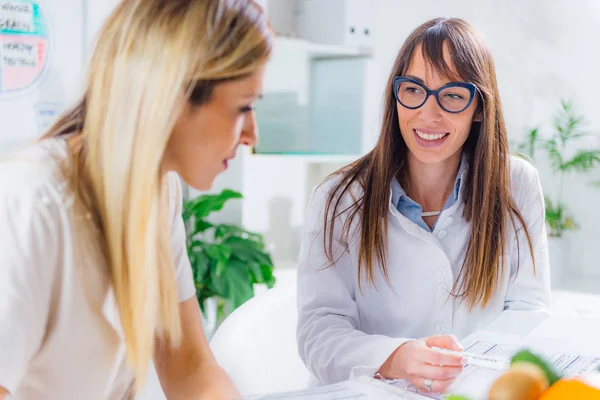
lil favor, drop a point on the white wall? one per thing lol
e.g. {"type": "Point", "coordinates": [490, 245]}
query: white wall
{"type": "Point", "coordinates": [96, 14]}
{"type": "Point", "coordinates": [544, 51]}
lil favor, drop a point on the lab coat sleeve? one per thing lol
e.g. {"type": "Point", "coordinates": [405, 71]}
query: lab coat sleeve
{"type": "Point", "coordinates": [30, 235]}
{"type": "Point", "coordinates": [329, 339]}
{"type": "Point", "coordinates": [529, 287]}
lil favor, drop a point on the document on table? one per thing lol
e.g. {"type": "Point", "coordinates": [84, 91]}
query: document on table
{"type": "Point", "coordinates": [474, 382]}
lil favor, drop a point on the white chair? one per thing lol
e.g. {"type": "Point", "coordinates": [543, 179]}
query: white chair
{"type": "Point", "coordinates": [256, 344]}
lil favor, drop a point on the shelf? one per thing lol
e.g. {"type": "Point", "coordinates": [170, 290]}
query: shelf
{"type": "Point", "coordinates": [311, 158]}
{"type": "Point", "coordinates": [313, 101]}
{"type": "Point", "coordinates": [324, 51]}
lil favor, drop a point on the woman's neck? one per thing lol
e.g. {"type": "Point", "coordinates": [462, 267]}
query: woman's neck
{"type": "Point", "coordinates": [430, 185]}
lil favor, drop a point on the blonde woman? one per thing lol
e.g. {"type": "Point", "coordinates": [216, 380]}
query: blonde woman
{"type": "Point", "coordinates": [94, 276]}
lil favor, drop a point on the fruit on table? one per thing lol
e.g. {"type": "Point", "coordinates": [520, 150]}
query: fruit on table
{"type": "Point", "coordinates": [523, 381]}
{"type": "Point", "coordinates": [529, 357]}
{"type": "Point", "coordinates": [567, 389]}
{"type": "Point", "coordinates": [456, 397]}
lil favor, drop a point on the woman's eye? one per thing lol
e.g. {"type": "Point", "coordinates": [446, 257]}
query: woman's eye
{"type": "Point", "coordinates": [454, 96]}
{"type": "Point", "coordinates": [246, 109]}
{"type": "Point", "coordinates": [412, 89]}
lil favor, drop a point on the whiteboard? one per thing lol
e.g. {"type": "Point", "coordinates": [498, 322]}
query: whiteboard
{"type": "Point", "coordinates": [42, 53]}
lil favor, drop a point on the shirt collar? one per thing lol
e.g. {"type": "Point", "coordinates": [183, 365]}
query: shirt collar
{"type": "Point", "coordinates": [397, 191]}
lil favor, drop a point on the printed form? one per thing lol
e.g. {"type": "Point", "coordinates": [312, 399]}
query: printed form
{"type": "Point", "coordinates": [474, 382]}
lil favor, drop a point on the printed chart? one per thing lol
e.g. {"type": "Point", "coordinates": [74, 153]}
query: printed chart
{"type": "Point", "coordinates": [24, 44]}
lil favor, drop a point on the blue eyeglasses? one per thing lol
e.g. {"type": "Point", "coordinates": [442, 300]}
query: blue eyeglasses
{"type": "Point", "coordinates": [454, 97]}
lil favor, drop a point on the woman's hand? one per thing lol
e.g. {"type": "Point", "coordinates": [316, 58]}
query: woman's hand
{"type": "Point", "coordinates": [428, 369]}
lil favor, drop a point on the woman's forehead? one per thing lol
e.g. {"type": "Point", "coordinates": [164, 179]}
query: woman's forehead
{"type": "Point", "coordinates": [428, 70]}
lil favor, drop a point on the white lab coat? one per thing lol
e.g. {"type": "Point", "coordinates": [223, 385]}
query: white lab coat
{"type": "Point", "coordinates": [341, 327]}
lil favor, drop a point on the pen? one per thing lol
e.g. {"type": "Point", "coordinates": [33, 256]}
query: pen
{"type": "Point", "coordinates": [479, 360]}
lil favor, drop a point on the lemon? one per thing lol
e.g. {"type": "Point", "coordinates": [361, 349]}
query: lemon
{"type": "Point", "coordinates": [523, 381]}
{"type": "Point", "coordinates": [527, 356]}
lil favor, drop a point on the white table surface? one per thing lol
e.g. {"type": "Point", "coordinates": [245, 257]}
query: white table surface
{"type": "Point", "coordinates": [582, 308]}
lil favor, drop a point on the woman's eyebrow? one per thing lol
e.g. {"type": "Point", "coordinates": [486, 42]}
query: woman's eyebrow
{"type": "Point", "coordinates": [415, 78]}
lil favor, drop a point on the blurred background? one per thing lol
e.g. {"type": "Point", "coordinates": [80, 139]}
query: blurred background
{"type": "Point", "coordinates": [321, 110]}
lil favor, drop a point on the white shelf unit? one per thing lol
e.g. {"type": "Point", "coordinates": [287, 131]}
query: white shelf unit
{"type": "Point", "coordinates": [313, 99]}
{"type": "Point", "coordinates": [276, 186]}
{"type": "Point", "coordinates": [323, 51]}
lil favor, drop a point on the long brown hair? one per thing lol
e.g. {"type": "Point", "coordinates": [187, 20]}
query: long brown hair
{"type": "Point", "coordinates": [151, 58]}
{"type": "Point", "coordinates": [489, 206]}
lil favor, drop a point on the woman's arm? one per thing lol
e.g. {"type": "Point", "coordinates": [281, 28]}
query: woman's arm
{"type": "Point", "coordinates": [529, 286]}
{"type": "Point", "coordinates": [31, 235]}
{"type": "Point", "coordinates": [190, 371]}
{"type": "Point", "coordinates": [329, 339]}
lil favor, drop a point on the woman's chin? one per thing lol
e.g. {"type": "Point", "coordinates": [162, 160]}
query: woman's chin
{"type": "Point", "coordinates": [200, 183]}
{"type": "Point", "coordinates": [430, 156]}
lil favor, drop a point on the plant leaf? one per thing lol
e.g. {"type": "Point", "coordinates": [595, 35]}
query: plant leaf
{"type": "Point", "coordinates": [220, 254]}
{"type": "Point", "coordinates": [582, 161]}
{"type": "Point", "coordinates": [267, 274]}
{"type": "Point", "coordinates": [200, 264]}
{"type": "Point", "coordinates": [568, 124]}
{"type": "Point", "coordinates": [239, 285]}
{"type": "Point", "coordinates": [224, 230]}
{"type": "Point", "coordinates": [554, 155]}
{"type": "Point", "coordinates": [248, 250]}
{"type": "Point", "coordinates": [569, 224]}
{"type": "Point", "coordinates": [532, 141]}
{"type": "Point", "coordinates": [227, 260]}
{"type": "Point", "coordinates": [204, 205]}
{"type": "Point", "coordinates": [201, 225]}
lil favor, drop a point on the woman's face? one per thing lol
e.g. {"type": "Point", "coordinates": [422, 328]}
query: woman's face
{"type": "Point", "coordinates": [432, 134]}
{"type": "Point", "coordinates": [206, 137]}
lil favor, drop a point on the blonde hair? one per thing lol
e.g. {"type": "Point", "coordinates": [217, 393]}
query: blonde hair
{"type": "Point", "coordinates": [151, 57]}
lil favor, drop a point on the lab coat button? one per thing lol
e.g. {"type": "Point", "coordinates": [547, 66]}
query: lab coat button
{"type": "Point", "coordinates": [442, 234]}
{"type": "Point", "coordinates": [449, 221]}
{"type": "Point", "coordinates": [443, 289]}
{"type": "Point", "coordinates": [440, 328]}
{"type": "Point", "coordinates": [440, 273]}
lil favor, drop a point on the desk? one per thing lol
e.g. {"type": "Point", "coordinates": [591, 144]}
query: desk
{"type": "Point", "coordinates": [511, 330]}
{"type": "Point", "coordinates": [251, 369]}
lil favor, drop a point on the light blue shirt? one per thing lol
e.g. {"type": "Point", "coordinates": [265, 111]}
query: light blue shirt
{"type": "Point", "coordinates": [412, 210]}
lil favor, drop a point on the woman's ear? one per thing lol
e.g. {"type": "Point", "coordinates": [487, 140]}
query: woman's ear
{"type": "Point", "coordinates": [478, 117]}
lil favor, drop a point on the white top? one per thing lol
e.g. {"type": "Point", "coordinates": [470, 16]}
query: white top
{"type": "Point", "coordinates": [60, 336]}
{"type": "Point", "coordinates": [341, 327]}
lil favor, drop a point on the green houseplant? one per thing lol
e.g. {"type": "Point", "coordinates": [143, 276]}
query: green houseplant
{"type": "Point", "coordinates": [567, 130]}
{"type": "Point", "coordinates": [227, 261]}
